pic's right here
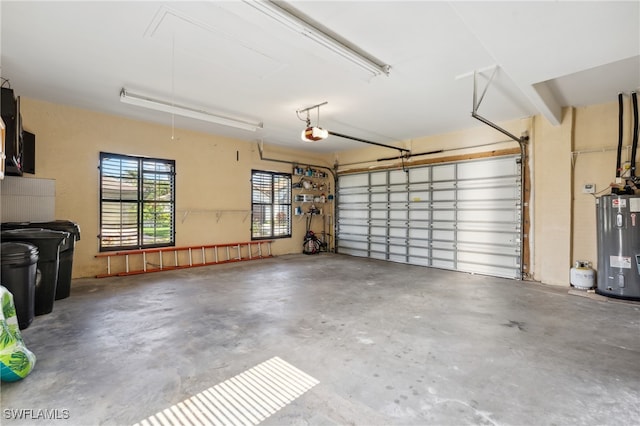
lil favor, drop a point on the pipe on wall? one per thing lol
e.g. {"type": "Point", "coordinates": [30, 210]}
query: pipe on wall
{"type": "Point", "coordinates": [620, 123]}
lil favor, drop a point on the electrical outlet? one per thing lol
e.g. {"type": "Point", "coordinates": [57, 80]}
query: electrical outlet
{"type": "Point", "coordinates": [589, 188]}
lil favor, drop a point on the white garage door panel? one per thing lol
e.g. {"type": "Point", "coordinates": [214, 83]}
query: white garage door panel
{"type": "Point", "coordinates": [489, 227]}
{"type": "Point", "coordinates": [398, 197]}
{"type": "Point", "coordinates": [352, 252]}
{"type": "Point", "coordinates": [401, 215]}
{"type": "Point", "coordinates": [380, 214]}
{"type": "Point", "coordinates": [443, 244]}
{"type": "Point", "coordinates": [420, 261]}
{"type": "Point", "coordinates": [356, 188]}
{"type": "Point", "coordinates": [420, 174]}
{"type": "Point", "coordinates": [419, 215]}
{"type": "Point", "coordinates": [397, 177]}
{"type": "Point", "coordinates": [444, 188]}
{"type": "Point", "coordinates": [398, 232]}
{"type": "Point", "coordinates": [356, 245]}
{"type": "Point", "coordinates": [443, 215]}
{"type": "Point", "coordinates": [415, 197]}
{"type": "Point", "coordinates": [485, 194]}
{"type": "Point", "coordinates": [439, 235]}
{"type": "Point", "coordinates": [505, 182]}
{"type": "Point", "coordinates": [419, 238]}
{"type": "Point", "coordinates": [483, 206]}
{"type": "Point", "coordinates": [503, 261]}
{"type": "Point", "coordinates": [443, 254]}
{"type": "Point", "coordinates": [352, 229]}
{"type": "Point", "coordinates": [359, 236]}
{"type": "Point", "coordinates": [419, 251]}
{"type": "Point", "coordinates": [354, 215]}
{"type": "Point", "coordinates": [378, 179]}
{"type": "Point", "coordinates": [443, 172]}
{"type": "Point", "coordinates": [463, 216]}
{"type": "Point", "coordinates": [348, 181]}
{"type": "Point", "coordinates": [398, 251]}
{"type": "Point", "coordinates": [378, 231]}
{"type": "Point", "coordinates": [439, 226]}
{"type": "Point", "coordinates": [378, 223]}
{"type": "Point", "coordinates": [486, 237]}
{"type": "Point", "coordinates": [448, 194]}
{"type": "Point", "coordinates": [487, 269]}
{"type": "Point", "coordinates": [495, 216]}
{"type": "Point", "coordinates": [353, 199]}
{"type": "Point", "coordinates": [442, 258]}
{"type": "Point", "coordinates": [398, 258]}
{"type": "Point", "coordinates": [487, 168]}
{"type": "Point", "coordinates": [378, 247]}
{"type": "Point", "coordinates": [380, 210]}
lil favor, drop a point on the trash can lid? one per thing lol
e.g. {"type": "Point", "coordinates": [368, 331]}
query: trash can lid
{"type": "Point", "coordinates": [35, 236]}
{"type": "Point", "coordinates": [57, 225]}
{"type": "Point", "coordinates": [33, 233]}
{"type": "Point", "coordinates": [17, 253]}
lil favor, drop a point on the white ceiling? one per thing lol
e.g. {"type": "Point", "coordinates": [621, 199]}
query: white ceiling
{"type": "Point", "coordinates": [229, 58]}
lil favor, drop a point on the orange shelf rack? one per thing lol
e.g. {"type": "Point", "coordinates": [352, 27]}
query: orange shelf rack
{"type": "Point", "coordinates": [133, 262]}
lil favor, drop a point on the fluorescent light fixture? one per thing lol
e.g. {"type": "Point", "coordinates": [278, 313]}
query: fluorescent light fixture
{"type": "Point", "coordinates": [313, 134]}
{"type": "Point", "coordinates": [305, 28]}
{"type": "Point", "coordinates": [185, 111]}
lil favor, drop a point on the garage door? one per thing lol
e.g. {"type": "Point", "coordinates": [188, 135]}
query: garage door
{"type": "Point", "coordinates": [462, 216]}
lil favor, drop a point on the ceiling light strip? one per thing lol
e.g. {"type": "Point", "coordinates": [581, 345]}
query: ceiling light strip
{"type": "Point", "coordinates": [185, 111]}
{"type": "Point", "coordinates": [305, 28]}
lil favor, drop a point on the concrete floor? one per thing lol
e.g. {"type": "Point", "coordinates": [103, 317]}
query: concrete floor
{"type": "Point", "coordinates": [389, 344]}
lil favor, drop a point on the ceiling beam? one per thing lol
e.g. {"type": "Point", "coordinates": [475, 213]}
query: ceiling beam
{"type": "Point", "coordinates": [542, 97]}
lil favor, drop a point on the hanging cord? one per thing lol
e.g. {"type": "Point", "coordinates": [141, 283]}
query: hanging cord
{"type": "Point", "coordinates": [298, 111]}
{"type": "Point", "coordinates": [173, 91]}
{"type": "Point", "coordinates": [404, 168]}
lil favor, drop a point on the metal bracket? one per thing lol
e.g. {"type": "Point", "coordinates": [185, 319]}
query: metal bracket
{"type": "Point", "coordinates": [477, 102]}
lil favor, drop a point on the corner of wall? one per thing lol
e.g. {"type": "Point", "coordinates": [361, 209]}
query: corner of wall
{"type": "Point", "coordinates": [553, 198]}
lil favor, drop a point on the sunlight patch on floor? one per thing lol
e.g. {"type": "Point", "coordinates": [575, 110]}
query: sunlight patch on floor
{"type": "Point", "coordinates": [245, 399]}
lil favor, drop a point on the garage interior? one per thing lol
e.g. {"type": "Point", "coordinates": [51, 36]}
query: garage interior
{"type": "Point", "coordinates": [387, 343]}
{"type": "Point", "coordinates": [362, 212]}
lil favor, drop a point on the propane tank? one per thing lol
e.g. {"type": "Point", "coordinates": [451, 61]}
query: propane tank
{"type": "Point", "coordinates": [582, 275]}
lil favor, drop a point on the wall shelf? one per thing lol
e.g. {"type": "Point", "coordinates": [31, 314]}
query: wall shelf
{"type": "Point", "coordinates": [217, 212]}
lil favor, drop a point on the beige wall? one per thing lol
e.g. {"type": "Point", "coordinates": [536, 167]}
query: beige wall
{"type": "Point", "coordinates": [594, 146]}
{"type": "Point", "coordinates": [208, 177]}
{"type": "Point", "coordinates": [551, 195]}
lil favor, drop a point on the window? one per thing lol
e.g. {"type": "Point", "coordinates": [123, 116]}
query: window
{"type": "Point", "coordinates": [137, 202]}
{"type": "Point", "coordinates": [270, 205]}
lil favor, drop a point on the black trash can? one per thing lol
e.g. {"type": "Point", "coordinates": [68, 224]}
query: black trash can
{"type": "Point", "coordinates": [65, 268]}
{"type": "Point", "coordinates": [19, 265]}
{"type": "Point", "coordinates": [48, 243]}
